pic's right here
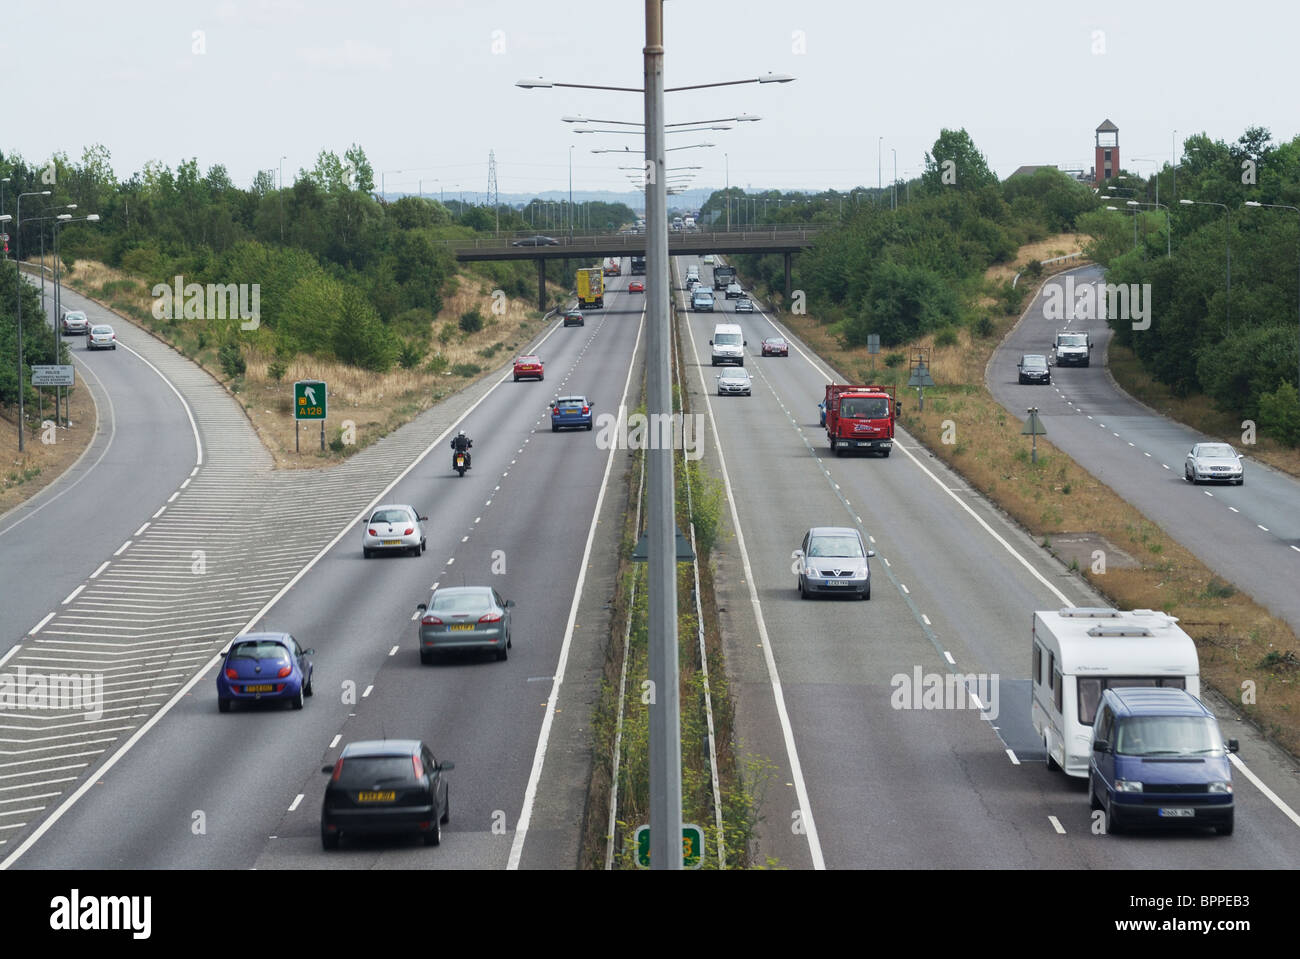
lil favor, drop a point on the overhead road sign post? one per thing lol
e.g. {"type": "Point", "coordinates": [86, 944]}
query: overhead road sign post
{"type": "Point", "coordinates": [921, 377]}
{"type": "Point", "coordinates": [1034, 427]}
{"type": "Point", "coordinates": [309, 403]}
{"type": "Point", "coordinates": [873, 347]}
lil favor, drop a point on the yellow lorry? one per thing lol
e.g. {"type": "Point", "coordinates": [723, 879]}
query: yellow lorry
{"type": "Point", "coordinates": [591, 289]}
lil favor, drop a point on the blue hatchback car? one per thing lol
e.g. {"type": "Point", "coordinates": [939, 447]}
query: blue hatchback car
{"type": "Point", "coordinates": [1158, 760]}
{"type": "Point", "coordinates": [572, 411]}
{"type": "Point", "coordinates": [262, 667]}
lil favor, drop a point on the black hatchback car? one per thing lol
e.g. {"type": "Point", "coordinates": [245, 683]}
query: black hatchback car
{"type": "Point", "coordinates": [1034, 369]}
{"type": "Point", "coordinates": [383, 787]}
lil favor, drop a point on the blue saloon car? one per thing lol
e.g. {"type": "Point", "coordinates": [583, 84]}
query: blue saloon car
{"type": "Point", "coordinates": [264, 667]}
{"type": "Point", "coordinates": [570, 411]}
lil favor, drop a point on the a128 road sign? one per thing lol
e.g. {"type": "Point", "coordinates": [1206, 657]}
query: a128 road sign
{"type": "Point", "coordinates": [309, 400]}
{"type": "Point", "coordinates": [692, 846]}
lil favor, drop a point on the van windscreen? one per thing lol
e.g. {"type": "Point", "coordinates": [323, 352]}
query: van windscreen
{"type": "Point", "coordinates": [1168, 736]}
{"type": "Point", "coordinates": [726, 339]}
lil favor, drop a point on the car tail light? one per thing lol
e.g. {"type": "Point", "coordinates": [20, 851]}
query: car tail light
{"type": "Point", "coordinates": [430, 621]}
{"type": "Point", "coordinates": [490, 618]}
{"type": "Point", "coordinates": [284, 671]}
{"type": "Point", "coordinates": [556, 411]}
{"type": "Point", "coordinates": [586, 410]}
{"type": "Point", "coordinates": [419, 766]}
{"type": "Point", "coordinates": [338, 771]}
{"type": "Point", "coordinates": [231, 674]}
{"type": "Point", "coordinates": [409, 531]}
{"type": "Point", "coordinates": [371, 532]}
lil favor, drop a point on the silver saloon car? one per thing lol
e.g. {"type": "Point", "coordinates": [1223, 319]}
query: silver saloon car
{"type": "Point", "coordinates": [393, 529]}
{"type": "Point", "coordinates": [1214, 462]}
{"type": "Point", "coordinates": [465, 618]}
{"type": "Point", "coordinates": [735, 382]}
{"type": "Point", "coordinates": [833, 559]}
{"type": "Point", "coordinates": [101, 337]}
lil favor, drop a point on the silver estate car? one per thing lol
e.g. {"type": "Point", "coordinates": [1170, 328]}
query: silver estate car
{"type": "Point", "coordinates": [74, 321]}
{"type": "Point", "coordinates": [465, 618]}
{"type": "Point", "coordinates": [833, 559]}
{"type": "Point", "coordinates": [393, 529]}
{"type": "Point", "coordinates": [1214, 462]}
{"type": "Point", "coordinates": [101, 337]}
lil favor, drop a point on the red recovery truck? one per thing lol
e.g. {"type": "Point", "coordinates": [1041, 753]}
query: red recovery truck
{"type": "Point", "coordinates": [860, 418]}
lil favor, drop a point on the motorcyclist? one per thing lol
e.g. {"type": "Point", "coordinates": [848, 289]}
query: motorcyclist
{"type": "Point", "coordinates": [461, 444]}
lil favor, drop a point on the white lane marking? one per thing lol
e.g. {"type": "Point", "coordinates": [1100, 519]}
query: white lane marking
{"type": "Point", "coordinates": [450, 561]}
{"type": "Point", "coordinates": [903, 587]}
{"type": "Point", "coordinates": [161, 510]}
{"type": "Point", "coordinates": [141, 530]}
{"type": "Point", "coordinates": [122, 549]}
{"type": "Point", "coordinates": [1296, 548]}
{"type": "Point", "coordinates": [335, 741]}
{"type": "Point", "coordinates": [1259, 784]}
{"type": "Point", "coordinates": [1056, 824]}
{"type": "Point", "coordinates": [925, 619]}
{"type": "Point", "coordinates": [1165, 465]}
{"type": "Point", "coordinates": [37, 628]}
{"type": "Point", "coordinates": [102, 566]}
{"type": "Point", "coordinates": [73, 595]}
{"type": "Point", "coordinates": [544, 735]}
{"type": "Point", "coordinates": [369, 690]}
{"type": "Point", "coordinates": [1132, 444]}
{"type": "Point", "coordinates": [1264, 528]}
{"type": "Point", "coordinates": [1207, 492]}
{"type": "Point", "coordinates": [884, 560]}
{"type": "Point", "coordinates": [464, 539]}
{"type": "Point", "coordinates": [173, 496]}
{"type": "Point", "coordinates": [181, 693]}
{"type": "Point", "coordinates": [415, 614]}
{"type": "Point", "coordinates": [1146, 454]}
{"type": "Point", "coordinates": [774, 678]}
{"type": "Point", "coordinates": [948, 656]}
{"type": "Point", "coordinates": [1116, 435]}
{"type": "Point", "coordinates": [12, 651]}
{"type": "Point", "coordinates": [1234, 509]}
{"type": "Point", "coordinates": [1012, 756]}
{"type": "Point", "coordinates": [393, 651]}
{"type": "Point", "coordinates": [296, 800]}
{"type": "Point", "coordinates": [187, 482]}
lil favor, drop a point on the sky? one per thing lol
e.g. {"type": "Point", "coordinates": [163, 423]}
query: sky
{"type": "Point", "coordinates": [427, 87]}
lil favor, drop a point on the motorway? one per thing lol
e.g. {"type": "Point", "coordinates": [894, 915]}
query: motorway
{"type": "Point", "coordinates": [163, 780]}
{"type": "Point", "coordinates": [860, 784]}
{"type": "Point", "coordinates": [1249, 535]}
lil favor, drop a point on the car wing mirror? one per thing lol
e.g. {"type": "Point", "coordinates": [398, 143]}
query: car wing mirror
{"type": "Point", "coordinates": [870, 553]}
{"type": "Point", "coordinates": [510, 602]}
{"type": "Point", "coordinates": [1101, 746]}
{"type": "Point", "coordinates": [423, 607]}
{"type": "Point", "coordinates": [309, 651]}
{"type": "Point", "coordinates": [1233, 745]}
{"type": "Point", "coordinates": [329, 770]}
{"type": "Point", "coordinates": [446, 764]}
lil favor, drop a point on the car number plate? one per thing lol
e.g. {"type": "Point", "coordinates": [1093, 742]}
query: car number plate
{"type": "Point", "coordinates": [1180, 812]}
{"type": "Point", "coordinates": [392, 542]}
{"type": "Point", "coordinates": [839, 582]}
{"type": "Point", "coordinates": [461, 627]}
{"type": "Point", "coordinates": [265, 688]}
{"type": "Point", "coordinates": [387, 795]}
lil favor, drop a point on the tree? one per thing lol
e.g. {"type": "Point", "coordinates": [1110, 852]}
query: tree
{"type": "Point", "coordinates": [968, 169]}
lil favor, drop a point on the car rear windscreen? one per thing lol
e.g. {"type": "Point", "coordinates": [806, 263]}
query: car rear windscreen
{"type": "Point", "coordinates": [360, 772]}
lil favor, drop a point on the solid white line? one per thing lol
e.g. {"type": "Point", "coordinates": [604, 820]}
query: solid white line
{"type": "Point", "coordinates": [787, 731]}
{"type": "Point", "coordinates": [296, 799]}
{"type": "Point", "coordinates": [1014, 760]}
{"type": "Point", "coordinates": [102, 566]}
{"type": "Point", "coordinates": [543, 737]}
{"type": "Point", "coordinates": [37, 628]}
{"type": "Point", "coordinates": [73, 595]}
{"type": "Point", "coordinates": [1056, 824]}
{"type": "Point", "coordinates": [122, 549]}
{"type": "Point", "coordinates": [1258, 783]}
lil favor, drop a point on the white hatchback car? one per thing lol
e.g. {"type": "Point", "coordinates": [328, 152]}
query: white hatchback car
{"type": "Point", "coordinates": [394, 528]}
{"type": "Point", "coordinates": [101, 337]}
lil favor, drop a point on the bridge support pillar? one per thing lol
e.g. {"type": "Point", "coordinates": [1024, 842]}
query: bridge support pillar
{"type": "Point", "coordinates": [541, 284]}
{"type": "Point", "coordinates": [788, 291]}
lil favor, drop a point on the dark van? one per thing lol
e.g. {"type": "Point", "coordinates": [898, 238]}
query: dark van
{"type": "Point", "coordinates": [1158, 760]}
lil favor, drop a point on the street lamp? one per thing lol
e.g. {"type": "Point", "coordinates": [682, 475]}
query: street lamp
{"type": "Point", "coordinates": [1169, 227]}
{"type": "Point", "coordinates": [18, 289]}
{"type": "Point", "coordinates": [665, 712]}
{"type": "Point", "coordinates": [1283, 206]}
{"type": "Point", "coordinates": [893, 200]}
{"type": "Point", "coordinates": [1228, 238]}
{"type": "Point", "coordinates": [281, 192]}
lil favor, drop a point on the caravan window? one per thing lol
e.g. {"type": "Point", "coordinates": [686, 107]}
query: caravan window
{"type": "Point", "coordinates": [1038, 665]}
{"type": "Point", "coordinates": [1090, 690]}
{"type": "Point", "coordinates": [1057, 686]}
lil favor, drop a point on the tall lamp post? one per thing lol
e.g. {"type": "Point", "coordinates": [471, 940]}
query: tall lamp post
{"type": "Point", "coordinates": [1169, 227]}
{"type": "Point", "coordinates": [570, 192]}
{"type": "Point", "coordinates": [1227, 222]}
{"type": "Point", "coordinates": [59, 221]}
{"type": "Point", "coordinates": [18, 264]}
{"type": "Point", "coordinates": [281, 192]}
{"type": "Point", "coordinates": [1283, 206]}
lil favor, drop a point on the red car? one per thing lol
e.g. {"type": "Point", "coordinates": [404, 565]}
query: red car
{"type": "Point", "coordinates": [528, 366]}
{"type": "Point", "coordinates": [775, 346]}
{"type": "Point", "coordinates": [636, 286]}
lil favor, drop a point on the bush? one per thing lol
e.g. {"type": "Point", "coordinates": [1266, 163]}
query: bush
{"type": "Point", "coordinates": [471, 321]}
{"type": "Point", "coordinates": [409, 355]}
{"type": "Point", "coordinates": [231, 360]}
{"type": "Point", "coordinates": [437, 364]}
{"type": "Point", "coordinates": [894, 359]}
{"type": "Point", "coordinates": [946, 337]}
{"type": "Point", "coordinates": [984, 327]}
{"type": "Point", "coordinates": [1035, 268]}
{"type": "Point", "coordinates": [1279, 414]}
{"type": "Point", "coordinates": [276, 370]}
{"type": "Point", "coordinates": [467, 369]}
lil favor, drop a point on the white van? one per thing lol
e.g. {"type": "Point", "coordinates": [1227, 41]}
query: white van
{"type": "Point", "coordinates": [1081, 652]}
{"type": "Point", "coordinates": [728, 344]}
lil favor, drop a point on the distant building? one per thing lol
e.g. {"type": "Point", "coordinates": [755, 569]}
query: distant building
{"type": "Point", "coordinates": [1031, 170]}
{"type": "Point", "coordinates": [1107, 163]}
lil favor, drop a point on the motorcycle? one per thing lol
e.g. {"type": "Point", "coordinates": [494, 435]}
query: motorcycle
{"type": "Point", "coordinates": [459, 464]}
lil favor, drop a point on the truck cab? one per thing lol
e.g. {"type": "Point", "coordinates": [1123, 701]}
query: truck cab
{"type": "Point", "coordinates": [860, 418]}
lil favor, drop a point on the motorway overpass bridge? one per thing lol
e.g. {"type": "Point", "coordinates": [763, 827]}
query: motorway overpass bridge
{"type": "Point", "coordinates": [786, 240]}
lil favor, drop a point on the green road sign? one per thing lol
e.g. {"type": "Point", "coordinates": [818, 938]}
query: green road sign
{"type": "Point", "coordinates": [309, 400]}
{"type": "Point", "coordinates": [692, 846]}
